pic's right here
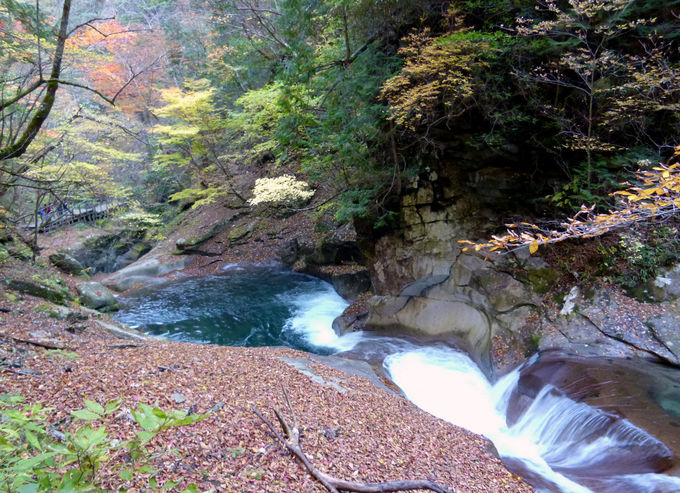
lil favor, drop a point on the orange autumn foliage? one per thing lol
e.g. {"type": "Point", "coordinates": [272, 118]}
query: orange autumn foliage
{"type": "Point", "coordinates": [112, 54]}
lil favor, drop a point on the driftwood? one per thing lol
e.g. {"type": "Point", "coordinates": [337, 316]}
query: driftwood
{"type": "Point", "coordinates": [291, 441]}
{"type": "Point", "coordinates": [45, 345]}
{"type": "Point", "coordinates": [124, 346]}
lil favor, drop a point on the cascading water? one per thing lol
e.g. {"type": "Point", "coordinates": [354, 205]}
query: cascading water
{"type": "Point", "coordinates": [562, 445]}
{"type": "Point", "coordinates": [555, 442]}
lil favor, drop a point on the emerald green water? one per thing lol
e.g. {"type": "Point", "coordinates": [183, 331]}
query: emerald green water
{"type": "Point", "coordinates": [254, 306]}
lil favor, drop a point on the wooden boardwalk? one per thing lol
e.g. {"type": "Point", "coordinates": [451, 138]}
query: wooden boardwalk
{"type": "Point", "coordinates": [82, 214]}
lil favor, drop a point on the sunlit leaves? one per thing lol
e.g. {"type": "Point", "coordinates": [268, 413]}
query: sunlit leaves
{"type": "Point", "coordinates": [437, 71]}
{"type": "Point", "coordinates": [658, 195]}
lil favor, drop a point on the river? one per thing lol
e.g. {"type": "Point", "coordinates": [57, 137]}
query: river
{"type": "Point", "coordinates": [566, 424]}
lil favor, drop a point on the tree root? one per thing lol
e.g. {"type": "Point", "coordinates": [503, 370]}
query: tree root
{"type": "Point", "coordinates": [291, 442]}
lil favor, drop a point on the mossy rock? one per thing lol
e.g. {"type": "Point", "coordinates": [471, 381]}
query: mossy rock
{"type": "Point", "coordinates": [184, 243]}
{"type": "Point", "coordinates": [542, 280]}
{"type": "Point", "coordinates": [96, 296]}
{"type": "Point", "coordinates": [66, 263]}
{"type": "Point", "coordinates": [61, 312]}
{"type": "Point", "coordinates": [4, 255]}
{"type": "Point", "coordinates": [19, 250]}
{"type": "Point", "coordinates": [55, 295]}
{"type": "Point", "coordinates": [241, 232]}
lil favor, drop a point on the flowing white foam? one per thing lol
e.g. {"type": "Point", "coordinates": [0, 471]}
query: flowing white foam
{"type": "Point", "coordinates": [313, 319]}
{"type": "Point", "coordinates": [554, 431]}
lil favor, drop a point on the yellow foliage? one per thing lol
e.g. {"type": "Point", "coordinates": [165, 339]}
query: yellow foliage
{"type": "Point", "coordinates": [657, 196]}
{"type": "Point", "coordinates": [436, 71]}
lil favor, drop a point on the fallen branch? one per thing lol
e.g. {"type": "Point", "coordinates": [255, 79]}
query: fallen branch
{"type": "Point", "coordinates": [45, 345]}
{"type": "Point", "coordinates": [124, 346]}
{"type": "Point", "coordinates": [291, 442]}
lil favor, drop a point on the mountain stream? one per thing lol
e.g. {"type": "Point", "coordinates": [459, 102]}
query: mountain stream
{"type": "Point", "coordinates": [565, 424]}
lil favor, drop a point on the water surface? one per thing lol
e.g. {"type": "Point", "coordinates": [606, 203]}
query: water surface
{"type": "Point", "coordinates": [254, 306]}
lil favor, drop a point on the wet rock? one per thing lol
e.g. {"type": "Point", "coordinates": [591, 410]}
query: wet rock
{"type": "Point", "coordinates": [96, 296]}
{"type": "Point", "coordinates": [288, 253]}
{"type": "Point", "coordinates": [351, 285]}
{"type": "Point", "coordinates": [350, 323]}
{"type": "Point", "coordinates": [470, 304]}
{"type": "Point", "coordinates": [625, 411]}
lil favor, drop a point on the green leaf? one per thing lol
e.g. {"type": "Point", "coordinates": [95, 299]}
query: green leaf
{"type": "Point", "coordinates": [94, 407]}
{"type": "Point", "coordinates": [126, 475]}
{"type": "Point", "coordinates": [31, 462]}
{"type": "Point", "coordinates": [31, 438]}
{"type": "Point", "coordinates": [28, 488]}
{"type": "Point", "coordinates": [152, 482]}
{"type": "Point", "coordinates": [145, 436]}
{"type": "Point", "coordinates": [85, 415]}
{"type": "Point", "coordinates": [159, 413]}
{"type": "Point", "coordinates": [113, 405]}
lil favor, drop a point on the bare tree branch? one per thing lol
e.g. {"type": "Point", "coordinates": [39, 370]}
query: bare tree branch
{"type": "Point", "coordinates": [291, 442]}
{"type": "Point", "coordinates": [88, 24]}
{"type": "Point", "coordinates": [6, 102]}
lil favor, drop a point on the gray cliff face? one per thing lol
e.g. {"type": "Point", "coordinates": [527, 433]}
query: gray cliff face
{"type": "Point", "coordinates": [425, 285]}
{"type": "Point", "coordinates": [470, 305]}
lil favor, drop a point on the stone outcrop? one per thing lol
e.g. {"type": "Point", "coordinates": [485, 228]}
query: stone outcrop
{"type": "Point", "coordinates": [339, 262]}
{"type": "Point", "coordinates": [53, 292]}
{"type": "Point", "coordinates": [66, 263]}
{"type": "Point", "coordinates": [426, 286]}
{"type": "Point", "coordinates": [143, 271]}
{"type": "Point", "coordinates": [110, 252]}
{"type": "Point", "coordinates": [469, 305]}
{"type": "Point", "coordinates": [610, 324]}
{"type": "Point", "coordinates": [97, 297]}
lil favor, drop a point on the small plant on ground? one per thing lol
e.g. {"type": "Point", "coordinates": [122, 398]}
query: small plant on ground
{"type": "Point", "coordinates": [638, 255]}
{"type": "Point", "coordinates": [35, 456]}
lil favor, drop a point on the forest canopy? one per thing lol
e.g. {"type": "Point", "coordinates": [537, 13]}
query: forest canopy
{"type": "Point", "coordinates": [168, 100]}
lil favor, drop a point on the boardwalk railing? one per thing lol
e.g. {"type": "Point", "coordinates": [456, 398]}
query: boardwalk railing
{"type": "Point", "coordinates": [81, 213]}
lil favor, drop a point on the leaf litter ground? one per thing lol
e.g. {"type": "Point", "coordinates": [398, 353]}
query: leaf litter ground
{"type": "Point", "coordinates": [364, 434]}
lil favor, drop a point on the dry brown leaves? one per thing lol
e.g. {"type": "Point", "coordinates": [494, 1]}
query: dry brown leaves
{"type": "Point", "coordinates": [364, 434]}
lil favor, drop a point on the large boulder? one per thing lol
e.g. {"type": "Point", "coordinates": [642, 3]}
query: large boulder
{"type": "Point", "coordinates": [608, 323]}
{"type": "Point", "coordinates": [469, 306]}
{"type": "Point", "coordinates": [143, 271]}
{"type": "Point", "coordinates": [110, 252]}
{"type": "Point", "coordinates": [66, 263]}
{"type": "Point", "coordinates": [96, 296]}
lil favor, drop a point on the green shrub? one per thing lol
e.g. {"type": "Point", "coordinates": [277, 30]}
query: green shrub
{"type": "Point", "coordinates": [638, 255]}
{"type": "Point", "coordinates": [35, 456]}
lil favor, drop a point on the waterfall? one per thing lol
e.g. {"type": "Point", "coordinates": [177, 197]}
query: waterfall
{"type": "Point", "coordinates": [566, 446]}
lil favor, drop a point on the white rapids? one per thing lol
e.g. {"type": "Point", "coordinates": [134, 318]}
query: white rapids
{"type": "Point", "coordinates": [553, 434]}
